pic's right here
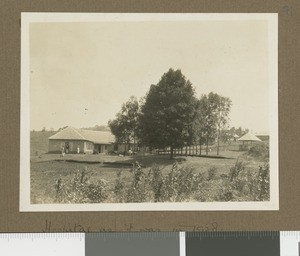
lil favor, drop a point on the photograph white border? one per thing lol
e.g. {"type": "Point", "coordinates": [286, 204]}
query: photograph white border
{"type": "Point", "coordinates": [27, 18]}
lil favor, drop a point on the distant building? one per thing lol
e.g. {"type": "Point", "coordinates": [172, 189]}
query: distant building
{"type": "Point", "coordinates": [74, 140]}
{"type": "Point", "coordinates": [263, 136]}
{"type": "Point", "coordinates": [246, 139]}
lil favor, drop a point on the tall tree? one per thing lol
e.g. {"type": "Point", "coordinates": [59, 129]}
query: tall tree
{"type": "Point", "coordinates": [207, 110]}
{"type": "Point", "coordinates": [212, 117]}
{"type": "Point", "coordinates": [223, 106]}
{"type": "Point", "coordinates": [200, 123]}
{"type": "Point", "coordinates": [124, 126]}
{"type": "Point", "coordinates": [168, 113]}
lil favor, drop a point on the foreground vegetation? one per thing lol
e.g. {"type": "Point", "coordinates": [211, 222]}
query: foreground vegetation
{"type": "Point", "coordinates": [245, 178]}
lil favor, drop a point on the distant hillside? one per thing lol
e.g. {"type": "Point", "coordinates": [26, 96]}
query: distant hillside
{"type": "Point", "coordinates": [39, 141]}
{"type": "Point", "coordinates": [97, 128]}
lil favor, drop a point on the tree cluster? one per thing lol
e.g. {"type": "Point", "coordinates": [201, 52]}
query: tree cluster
{"type": "Point", "coordinates": [170, 115]}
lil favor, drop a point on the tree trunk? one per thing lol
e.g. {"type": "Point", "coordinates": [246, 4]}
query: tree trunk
{"type": "Point", "coordinates": [200, 147]}
{"type": "Point", "coordinates": [206, 145]}
{"type": "Point", "coordinates": [171, 152]}
{"type": "Point", "coordinates": [218, 145]}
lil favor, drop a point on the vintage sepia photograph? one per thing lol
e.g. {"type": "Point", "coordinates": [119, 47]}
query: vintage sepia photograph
{"type": "Point", "coordinates": [147, 112]}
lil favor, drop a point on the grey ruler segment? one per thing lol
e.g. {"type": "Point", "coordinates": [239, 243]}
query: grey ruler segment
{"type": "Point", "coordinates": [132, 244]}
{"type": "Point", "coordinates": [233, 244]}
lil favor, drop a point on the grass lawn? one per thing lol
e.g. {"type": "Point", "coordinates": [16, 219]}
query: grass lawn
{"type": "Point", "coordinates": [47, 168]}
{"type": "Point", "coordinates": [44, 175]}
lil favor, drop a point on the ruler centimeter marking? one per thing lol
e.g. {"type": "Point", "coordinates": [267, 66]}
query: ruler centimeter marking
{"type": "Point", "coordinates": [284, 243]}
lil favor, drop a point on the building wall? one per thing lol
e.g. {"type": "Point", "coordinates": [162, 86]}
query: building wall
{"type": "Point", "coordinates": [103, 148]}
{"type": "Point", "coordinates": [55, 146]}
{"type": "Point", "coordinates": [88, 147]}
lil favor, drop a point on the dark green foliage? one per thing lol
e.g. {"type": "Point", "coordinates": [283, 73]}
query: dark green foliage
{"type": "Point", "coordinates": [180, 184]}
{"type": "Point", "coordinates": [212, 117]}
{"type": "Point", "coordinates": [238, 131]}
{"type": "Point", "coordinates": [225, 194]}
{"type": "Point", "coordinates": [156, 182]}
{"type": "Point", "coordinates": [259, 150]}
{"type": "Point", "coordinates": [212, 171]}
{"type": "Point", "coordinates": [120, 188]}
{"type": "Point", "coordinates": [81, 190]}
{"type": "Point", "coordinates": [248, 183]}
{"type": "Point", "coordinates": [125, 125]}
{"type": "Point", "coordinates": [264, 182]}
{"type": "Point", "coordinates": [138, 189]}
{"type": "Point", "coordinates": [97, 192]}
{"type": "Point", "coordinates": [168, 113]}
{"type": "Point", "coordinates": [235, 170]}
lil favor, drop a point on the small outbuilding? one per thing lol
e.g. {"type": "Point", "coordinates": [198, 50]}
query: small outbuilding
{"type": "Point", "coordinates": [73, 140]}
{"type": "Point", "coordinates": [263, 136]}
{"type": "Point", "coordinates": [246, 139]}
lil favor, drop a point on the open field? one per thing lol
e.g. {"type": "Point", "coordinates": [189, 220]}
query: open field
{"type": "Point", "coordinates": [39, 142]}
{"type": "Point", "coordinates": [210, 176]}
{"type": "Point", "coordinates": [48, 168]}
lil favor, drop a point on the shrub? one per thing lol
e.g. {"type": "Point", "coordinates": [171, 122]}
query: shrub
{"type": "Point", "coordinates": [212, 171]}
{"type": "Point", "coordinates": [81, 190]}
{"type": "Point", "coordinates": [264, 182]}
{"type": "Point", "coordinates": [247, 184]}
{"type": "Point", "coordinates": [120, 189]}
{"type": "Point", "coordinates": [137, 192]}
{"type": "Point", "coordinates": [180, 184]}
{"type": "Point", "coordinates": [96, 193]}
{"type": "Point", "coordinates": [156, 181]}
{"type": "Point", "coordinates": [259, 150]}
{"type": "Point", "coordinates": [235, 170]}
{"type": "Point", "coordinates": [177, 185]}
{"type": "Point", "coordinates": [225, 194]}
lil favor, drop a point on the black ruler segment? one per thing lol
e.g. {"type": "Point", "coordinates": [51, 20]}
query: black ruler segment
{"type": "Point", "coordinates": [132, 244]}
{"type": "Point", "coordinates": [233, 244]}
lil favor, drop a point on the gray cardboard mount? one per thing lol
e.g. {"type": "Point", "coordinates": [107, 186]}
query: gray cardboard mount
{"type": "Point", "coordinates": [287, 218]}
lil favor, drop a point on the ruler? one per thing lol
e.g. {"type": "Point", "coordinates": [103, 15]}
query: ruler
{"type": "Point", "coordinates": [283, 243]}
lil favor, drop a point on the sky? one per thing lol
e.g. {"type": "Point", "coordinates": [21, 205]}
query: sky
{"type": "Point", "coordinates": [81, 73]}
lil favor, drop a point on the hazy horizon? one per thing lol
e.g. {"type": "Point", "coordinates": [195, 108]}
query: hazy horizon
{"type": "Point", "coordinates": [81, 73]}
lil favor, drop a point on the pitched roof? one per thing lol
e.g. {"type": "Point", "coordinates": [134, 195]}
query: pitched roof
{"type": "Point", "coordinates": [71, 133]}
{"type": "Point", "coordinates": [100, 137]}
{"type": "Point", "coordinates": [249, 137]}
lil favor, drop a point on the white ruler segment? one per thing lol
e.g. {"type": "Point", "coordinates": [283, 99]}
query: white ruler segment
{"type": "Point", "coordinates": [182, 250]}
{"type": "Point", "coordinates": [289, 243]}
{"type": "Point", "coordinates": [42, 244]}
